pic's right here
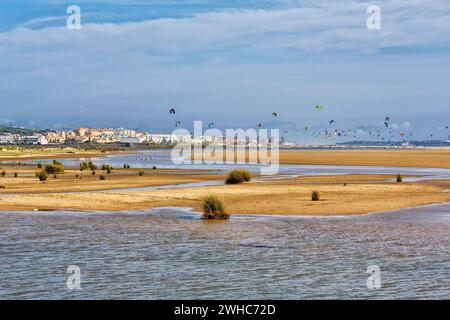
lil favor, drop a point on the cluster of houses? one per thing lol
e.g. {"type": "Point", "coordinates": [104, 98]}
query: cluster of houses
{"type": "Point", "coordinates": [108, 135]}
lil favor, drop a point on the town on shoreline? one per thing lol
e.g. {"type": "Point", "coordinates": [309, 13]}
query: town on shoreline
{"type": "Point", "coordinates": [12, 136]}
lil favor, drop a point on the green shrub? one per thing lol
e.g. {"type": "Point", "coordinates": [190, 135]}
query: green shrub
{"type": "Point", "coordinates": [141, 173]}
{"type": "Point", "coordinates": [238, 176]}
{"type": "Point", "coordinates": [213, 208]}
{"type": "Point", "coordinates": [108, 170]}
{"type": "Point", "coordinates": [93, 172]}
{"type": "Point", "coordinates": [102, 177]}
{"type": "Point", "coordinates": [91, 165]}
{"type": "Point", "coordinates": [315, 196]}
{"type": "Point", "coordinates": [39, 165]}
{"type": "Point", "coordinates": [399, 178]}
{"type": "Point", "coordinates": [42, 175]}
{"type": "Point", "coordinates": [107, 167]}
{"type": "Point", "coordinates": [55, 176]}
{"type": "Point", "coordinates": [54, 168]}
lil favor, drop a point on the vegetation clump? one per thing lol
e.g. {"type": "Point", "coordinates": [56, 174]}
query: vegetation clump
{"type": "Point", "coordinates": [238, 176]}
{"type": "Point", "coordinates": [399, 178]}
{"type": "Point", "coordinates": [42, 175]}
{"type": "Point", "coordinates": [87, 165]}
{"type": "Point", "coordinates": [315, 196]}
{"type": "Point", "coordinates": [214, 208]}
{"type": "Point", "coordinates": [141, 173]}
{"type": "Point", "coordinates": [55, 168]}
{"type": "Point", "coordinates": [102, 177]}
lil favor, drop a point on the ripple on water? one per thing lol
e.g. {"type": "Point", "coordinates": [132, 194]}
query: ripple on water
{"type": "Point", "coordinates": [171, 253]}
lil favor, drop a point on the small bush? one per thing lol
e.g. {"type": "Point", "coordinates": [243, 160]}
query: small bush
{"type": "Point", "coordinates": [39, 165]}
{"type": "Point", "coordinates": [108, 170]}
{"type": "Point", "coordinates": [16, 174]}
{"type": "Point", "coordinates": [83, 166]}
{"type": "Point", "coordinates": [399, 178]}
{"type": "Point", "coordinates": [91, 165]}
{"type": "Point", "coordinates": [238, 176]}
{"type": "Point", "coordinates": [93, 172]}
{"type": "Point", "coordinates": [154, 167]}
{"type": "Point", "coordinates": [126, 166]}
{"type": "Point", "coordinates": [141, 173]}
{"type": "Point", "coordinates": [3, 173]}
{"type": "Point", "coordinates": [55, 176]}
{"type": "Point", "coordinates": [315, 196]}
{"type": "Point", "coordinates": [213, 208]}
{"type": "Point", "coordinates": [54, 168]}
{"type": "Point", "coordinates": [102, 177]}
{"type": "Point", "coordinates": [77, 176]}
{"type": "Point", "coordinates": [42, 175]}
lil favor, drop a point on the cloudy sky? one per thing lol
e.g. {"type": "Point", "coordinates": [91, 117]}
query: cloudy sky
{"type": "Point", "coordinates": [228, 62]}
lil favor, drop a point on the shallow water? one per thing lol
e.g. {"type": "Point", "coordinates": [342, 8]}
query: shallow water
{"type": "Point", "coordinates": [162, 159]}
{"type": "Point", "coordinates": [172, 254]}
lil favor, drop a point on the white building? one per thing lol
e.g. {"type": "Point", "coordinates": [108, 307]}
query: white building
{"type": "Point", "coordinates": [32, 140]}
{"type": "Point", "coordinates": [7, 139]}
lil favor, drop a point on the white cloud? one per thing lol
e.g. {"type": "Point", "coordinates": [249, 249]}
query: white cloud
{"type": "Point", "coordinates": [210, 60]}
{"type": "Point", "coordinates": [323, 27]}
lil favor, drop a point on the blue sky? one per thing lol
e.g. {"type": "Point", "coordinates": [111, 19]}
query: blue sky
{"type": "Point", "coordinates": [228, 62]}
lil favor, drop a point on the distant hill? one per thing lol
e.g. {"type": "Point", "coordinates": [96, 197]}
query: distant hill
{"type": "Point", "coordinates": [18, 130]}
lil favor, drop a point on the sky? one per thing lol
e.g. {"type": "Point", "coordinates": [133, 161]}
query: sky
{"type": "Point", "coordinates": [232, 62]}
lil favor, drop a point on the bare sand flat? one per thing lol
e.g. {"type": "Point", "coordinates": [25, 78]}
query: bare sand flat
{"type": "Point", "coordinates": [420, 157]}
{"type": "Point", "coordinates": [76, 181]}
{"type": "Point", "coordinates": [361, 194]}
{"type": "Point", "coordinates": [22, 153]}
{"type": "Point", "coordinates": [424, 158]}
